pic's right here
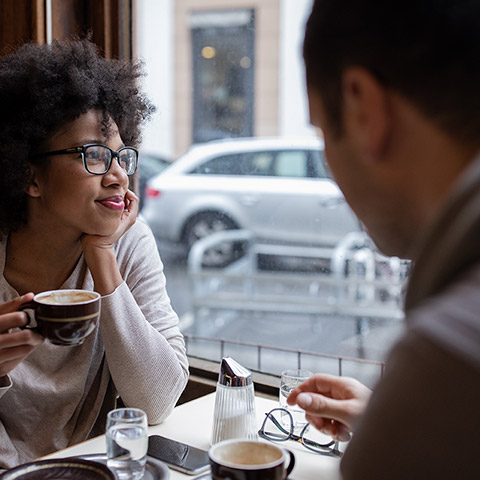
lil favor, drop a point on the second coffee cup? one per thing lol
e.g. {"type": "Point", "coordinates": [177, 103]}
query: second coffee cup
{"type": "Point", "coordinates": [237, 459]}
{"type": "Point", "coordinates": [65, 317]}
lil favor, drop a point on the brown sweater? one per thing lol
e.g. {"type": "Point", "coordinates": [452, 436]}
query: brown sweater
{"type": "Point", "coordinates": [423, 419]}
{"type": "Point", "coordinates": [59, 396]}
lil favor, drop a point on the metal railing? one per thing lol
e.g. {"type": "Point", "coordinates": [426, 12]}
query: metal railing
{"type": "Point", "coordinates": [360, 281]}
{"type": "Point", "coordinates": [366, 370]}
{"type": "Point", "coordinates": [359, 284]}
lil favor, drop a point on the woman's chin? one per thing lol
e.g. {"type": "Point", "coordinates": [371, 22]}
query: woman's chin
{"type": "Point", "coordinates": [104, 230]}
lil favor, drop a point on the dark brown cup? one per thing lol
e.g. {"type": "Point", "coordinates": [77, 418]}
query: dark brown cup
{"type": "Point", "coordinates": [238, 459]}
{"type": "Point", "coordinates": [65, 317]}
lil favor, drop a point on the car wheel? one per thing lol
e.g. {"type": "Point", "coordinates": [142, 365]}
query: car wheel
{"type": "Point", "coordinates": [206, 223]}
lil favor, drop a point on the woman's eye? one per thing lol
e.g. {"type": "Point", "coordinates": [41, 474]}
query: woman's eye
{"type": "Point", "coordinates": [95, 159]}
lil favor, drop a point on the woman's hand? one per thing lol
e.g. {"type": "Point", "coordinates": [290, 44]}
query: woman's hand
{"type": "Point", "coordinates": [332, 404]}
{"type": "Point", "coordinates": [15, 345]}
{"type": "Point", "coordinates": [127, 219]}
{"type": "Point", "coordinates": [99, 254]}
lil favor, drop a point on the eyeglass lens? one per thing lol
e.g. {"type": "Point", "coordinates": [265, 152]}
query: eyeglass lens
{"type": "Point", "coordinates": [99, 158]}
{"type": "Point", "coordinates": [278, 426]}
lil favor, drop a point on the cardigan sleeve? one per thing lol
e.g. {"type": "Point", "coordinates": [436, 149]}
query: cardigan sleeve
{"type": "Point", "coordinates": [144, 347]}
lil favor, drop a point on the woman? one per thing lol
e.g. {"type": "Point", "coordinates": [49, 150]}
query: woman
{"type": "Point", "coordinates": [69, 124]}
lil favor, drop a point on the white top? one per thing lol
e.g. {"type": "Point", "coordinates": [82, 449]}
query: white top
{"type": "Point", "coordinates": [60, 396]}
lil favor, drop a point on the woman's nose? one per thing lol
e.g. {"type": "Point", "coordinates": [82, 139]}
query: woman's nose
{"type": "Point", "coordinates": [116, 173]}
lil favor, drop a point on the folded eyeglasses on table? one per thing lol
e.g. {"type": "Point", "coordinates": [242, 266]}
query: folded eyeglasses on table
{"type": "Point", "coordinates": [278, 426]}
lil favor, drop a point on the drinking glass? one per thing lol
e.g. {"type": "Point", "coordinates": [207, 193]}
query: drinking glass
{"type": "Point", "coordinates": [288, 381]}
{"type": "Point", "coordinates": [127, 442]}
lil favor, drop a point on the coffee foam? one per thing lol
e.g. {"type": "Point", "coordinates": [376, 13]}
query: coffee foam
{"type": "Point", "coordinates": [66, 297]}
{"type": "Point", "coordinates": [247, 453]}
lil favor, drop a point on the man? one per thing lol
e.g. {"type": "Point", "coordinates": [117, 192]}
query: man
{"type": "Point", "coordinates": [395, 89]}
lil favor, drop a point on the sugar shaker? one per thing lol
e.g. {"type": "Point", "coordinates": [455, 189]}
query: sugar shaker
{"type": "Point", "coordinates": [234, 414]}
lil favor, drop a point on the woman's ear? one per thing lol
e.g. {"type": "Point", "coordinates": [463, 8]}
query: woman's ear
{"type": "Point", "coordinates": [33, 188]}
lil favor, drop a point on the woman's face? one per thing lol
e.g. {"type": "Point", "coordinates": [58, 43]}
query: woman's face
{"type": "Point", "coordinates": [65, 197]}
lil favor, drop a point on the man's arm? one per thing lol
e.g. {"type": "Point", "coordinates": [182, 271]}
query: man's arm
{"type": "Point", "coordinates": [423, 418]}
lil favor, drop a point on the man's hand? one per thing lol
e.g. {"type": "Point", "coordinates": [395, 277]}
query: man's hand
{"type": "Point", "coordinates": [332, 404]}
{"type": "Point", "coordinates": [15, 345]}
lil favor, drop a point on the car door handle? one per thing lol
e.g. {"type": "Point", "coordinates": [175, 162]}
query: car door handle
{"type": "Point", "coordinates": [249, 200]}
{"type": "Point", "coordinates": [332, 202]}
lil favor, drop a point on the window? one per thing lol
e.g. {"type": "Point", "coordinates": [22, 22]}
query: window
{"type": "Point", "coordinates": [318, 167]}
{"type": "Point", "coordinates": [291, 164]}
{"type": "Point", "coordinates": [286, 163]}
{"type": "Point", "coordinates": [286, 274]}
{"type": "Point", "coordinates": [225, 165]}
{"type": "Point", "coordinates": [222, 46]}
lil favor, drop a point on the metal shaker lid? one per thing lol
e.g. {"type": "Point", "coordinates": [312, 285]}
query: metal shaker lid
{"type": "Point", "coordinates": [233, 374]}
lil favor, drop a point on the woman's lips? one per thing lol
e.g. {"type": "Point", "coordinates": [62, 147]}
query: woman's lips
{"type": "Point", "coordinates": [115, 202]}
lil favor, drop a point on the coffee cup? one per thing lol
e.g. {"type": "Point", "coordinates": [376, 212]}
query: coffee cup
{"type": "Point", "coordinates": [237, 459]}
{"type": "Point", "coordinates": [64, 317]}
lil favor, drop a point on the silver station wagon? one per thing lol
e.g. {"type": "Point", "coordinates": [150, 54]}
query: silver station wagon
{"type": "Point", "coordinates": [277, 188]}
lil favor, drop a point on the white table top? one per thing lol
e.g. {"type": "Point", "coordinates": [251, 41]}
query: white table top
{"type": "Point", "coordinates": [191, 423]}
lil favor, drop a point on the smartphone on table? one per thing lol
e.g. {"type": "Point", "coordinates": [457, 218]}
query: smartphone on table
{"type": "Point", "coordinates": [178, 456]}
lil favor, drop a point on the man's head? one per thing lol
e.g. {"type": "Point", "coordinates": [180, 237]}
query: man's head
{"type": "Point", "coordinates": [394, 89]}
{"type": "Point", "coordinates": [427, 50]}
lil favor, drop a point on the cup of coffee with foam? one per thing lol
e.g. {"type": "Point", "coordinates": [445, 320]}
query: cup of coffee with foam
{"type": "Point", "coordinates": [238, 459]}
{"type": "Point", "coordinates": [65, 317]}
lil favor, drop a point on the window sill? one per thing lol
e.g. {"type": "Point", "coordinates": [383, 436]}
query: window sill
{"type": "Point", "coordinates": [203, 380]}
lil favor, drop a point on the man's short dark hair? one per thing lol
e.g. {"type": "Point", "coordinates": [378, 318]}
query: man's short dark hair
{"type": "Point", "coordinates": [42, 87]}
{"type": "Point", "coordinates": [426, 50]}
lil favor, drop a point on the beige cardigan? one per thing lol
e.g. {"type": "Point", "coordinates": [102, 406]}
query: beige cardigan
{"type": "Point", "coordinates": [59, 396]}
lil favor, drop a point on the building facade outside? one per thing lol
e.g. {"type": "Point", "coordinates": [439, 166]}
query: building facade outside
{"type": "Point", "coordinates": [217, 70]}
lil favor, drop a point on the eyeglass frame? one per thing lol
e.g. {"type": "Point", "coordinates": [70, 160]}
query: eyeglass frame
{"type": "Point", "coordinates": [331, 452]}
{"type": "Point", "coordinates": [81, 149]}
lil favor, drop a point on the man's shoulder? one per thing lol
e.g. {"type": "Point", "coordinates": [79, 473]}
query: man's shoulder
{"type": "Point", "coordinates": [451, 317]}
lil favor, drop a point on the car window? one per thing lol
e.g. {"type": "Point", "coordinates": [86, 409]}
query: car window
{"type": "Point", "coordinates": [291, 163]}
{"type": "Point", "coordinates": [266, 264]}
{"type": "Point", "coordinates": [319, 167]}
{"type": "Point", "coordinates": [224, 165]}
{"type": "Point", "coordinates": [260, 163]}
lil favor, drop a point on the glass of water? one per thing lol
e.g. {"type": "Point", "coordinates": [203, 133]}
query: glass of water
{"type": "Point", "coordinates": [127, 442]}
{"type": "Point", "coordinates": [288, 381]}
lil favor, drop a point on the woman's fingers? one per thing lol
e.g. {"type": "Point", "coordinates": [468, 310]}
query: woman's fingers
{"type": "Point", "coordinates": [19, 338]}
{"type": "Point", "coordinates": [12, 320]}
{"type": "Point", "coordinates": [127, 219]}
{"type": "Point", "coordinates": [132, 204]}
{"type": "Point", "coordinates": [13, 305]}
{"type": "Point", "coordinates": [10, 358]}
{"type": "Point", "coordinates": [16, 346]}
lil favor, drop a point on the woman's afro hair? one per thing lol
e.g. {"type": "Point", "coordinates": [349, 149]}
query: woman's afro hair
{"type": "Point", "coordinates": [45, 86]}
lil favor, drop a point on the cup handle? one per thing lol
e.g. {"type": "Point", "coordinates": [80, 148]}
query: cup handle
{"type": "Point", "coordinates": [29, 325]}
{"type": "Point", "coordinates": [291, 463]}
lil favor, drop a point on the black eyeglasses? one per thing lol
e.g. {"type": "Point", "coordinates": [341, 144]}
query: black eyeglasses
{"type": "Point", "coordinates": [97, 159]}
{"type": "Point", "coordinates": [278, 426]}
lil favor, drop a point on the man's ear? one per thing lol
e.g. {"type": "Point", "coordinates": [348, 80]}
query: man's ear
{"type": "Point", "coordinates": [366, 111]}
